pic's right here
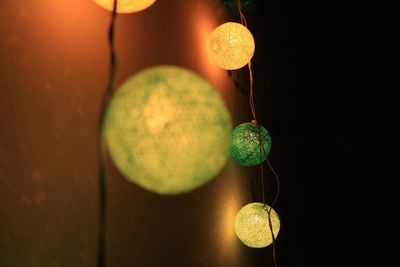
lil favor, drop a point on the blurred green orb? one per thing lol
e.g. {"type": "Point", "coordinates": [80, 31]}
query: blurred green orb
{"type": "Point", "coordinates": [245, 144]}
{"type": "Point", "coordinates": [167, 130]}
{"type": "Point", "coordinates": [252, 225]}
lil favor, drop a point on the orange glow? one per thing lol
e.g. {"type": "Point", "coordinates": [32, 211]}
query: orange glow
{"type": "Point", "coordinates": [126, 6]}
{"type": "Point", "coordinates": [203, 25]}
{"type": "Point", "coordinates": [232, 201]}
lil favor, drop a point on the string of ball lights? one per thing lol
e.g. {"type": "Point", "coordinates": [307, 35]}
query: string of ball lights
{"type": "Point", "coordinates": [151, 107]}
{"type": "Point", "coordinates": [232, 47]}
{"type": "Point", "coordinates": [264, 142]}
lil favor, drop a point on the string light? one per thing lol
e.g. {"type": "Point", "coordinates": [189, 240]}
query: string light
{"type": "Point", "coordinates": [168, 130]}
{"type": "Point", "coordinates": [252, 225]}
{"type": "Point", "coordinates": [231, 46]}
{"type": "Point", "coordinates": [249, 228]}
{"type": "Point", "coordinates": [126, 6]}
{"type": "Point", "coordinates": [143, 114]}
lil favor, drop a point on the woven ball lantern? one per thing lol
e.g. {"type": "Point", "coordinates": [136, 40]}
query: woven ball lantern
{"type": "Point", "coordinates": [126, 6]}
{"type": "Point", "coordinates": [231, 46]}
{"type": "Point", "coordinates": [168, 130]}
{"type": "Point", "coordinates": [245, 144]}
{"type": "Point", "coordinates": [252, 225]}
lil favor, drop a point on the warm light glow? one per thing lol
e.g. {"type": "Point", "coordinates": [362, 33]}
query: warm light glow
{"type": "Point", "coordinates": [231, 46]}
{"type": "Point", "coordinates": [126, 6]}
{"type": "Point", "coordinates": [202, 26]}
{"type": "Point", "coordinates": [168, 130]}
{"type": "Point", "coordinates": [252, 225]}
{"type": "Point", "coordinates": [245, 144]}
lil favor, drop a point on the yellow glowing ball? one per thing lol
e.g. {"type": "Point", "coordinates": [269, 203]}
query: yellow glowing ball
{"type": "Point", "coordinates": [252, 226]}
{"type": "Point", "coordinates": [126, 6]}
{"type": "Point", "coordinates": [231, 46]}
{"type": "Point", "coordinates": [168, 130]}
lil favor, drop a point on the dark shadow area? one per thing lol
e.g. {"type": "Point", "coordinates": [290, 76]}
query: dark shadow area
{"type": "Point", "coordinates": [330, 98]}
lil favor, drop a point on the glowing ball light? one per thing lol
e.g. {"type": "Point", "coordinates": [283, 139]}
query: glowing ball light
{"type": "Point", "coordinates": [231, 46]}
{"type": "Point", "coordinates": [245, 144]}
{"type": "Point", "coordinates": [126, 6]}
{"type": "Point", "coordinates": [167, 130]}
{"type": "Point", "coordinates": [252, 225]}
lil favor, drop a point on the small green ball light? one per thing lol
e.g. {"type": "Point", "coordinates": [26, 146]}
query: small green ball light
{"type": "Point", "coordinates": [167, 130]}
{"type": "Point", "coordinates": [245, 144]}
{"type": "Point", "coordinates": [252, 225]}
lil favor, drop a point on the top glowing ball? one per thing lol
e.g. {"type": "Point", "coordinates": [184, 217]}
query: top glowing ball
{"type": "Point", "coordinates": [167, 130]}
{"type": "Point", "coordinates": [126, 6]}
{"type": "Point", "coordinates": [245, 144]}
{"type": "Point", "coordinates": [252, 225]}
{"type": "Point", "coordinates": [231, 46]}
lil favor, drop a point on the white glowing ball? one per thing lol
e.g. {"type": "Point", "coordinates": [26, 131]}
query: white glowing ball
{"type": "Point", "coordinates": [252, 225]}
{"type": "Point", "coordinates": [126, 6]}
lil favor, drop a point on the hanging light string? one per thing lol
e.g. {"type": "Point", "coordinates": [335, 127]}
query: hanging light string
{"type": "Point", "coordinates": [101, 250]}
{"type": "Point", "coordinates": [262, 150]}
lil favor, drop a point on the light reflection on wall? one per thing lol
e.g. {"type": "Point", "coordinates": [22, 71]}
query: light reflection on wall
{"type": "Point", "coordinates": [203, 22]}
{"type": "Point", "coordinates": [67, 24]}
{"type": "Point", "coordinates": [235, 193]}
{"type": "Point", "coordinates": [204, 17]}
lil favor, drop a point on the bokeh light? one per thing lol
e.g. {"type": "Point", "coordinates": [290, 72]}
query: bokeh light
{"type": "Point", "coordinates": [168, 130]}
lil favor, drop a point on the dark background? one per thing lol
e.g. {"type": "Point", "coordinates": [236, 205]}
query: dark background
{"type": "Point", "coordinates": [326, 74]}
{"type": "Point", "coordinates": [343, 75]}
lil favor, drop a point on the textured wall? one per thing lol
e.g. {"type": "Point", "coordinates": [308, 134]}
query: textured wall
{"type": "Point", "coordinates": [54, 67]}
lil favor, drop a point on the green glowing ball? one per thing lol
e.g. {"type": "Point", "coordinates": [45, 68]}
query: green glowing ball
{"type": "Point", "coordinates": [167, 130]}
{"type": "Point", "coordinates": [245, 145]}
{"type": "Point", "coordinates": [252, 225]}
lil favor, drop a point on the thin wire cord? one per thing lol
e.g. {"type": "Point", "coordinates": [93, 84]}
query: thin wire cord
{"type": "Point", "coordinates": [272, 205]}
{"type": "Point", "coordinates": [262, 150]}
{"type": "Point", "coordinates": [101, 256]}
{"type": "Point", "coordinates": [262, 184]}
{"type": "Point", "coordinates": [251, 97]}
{"type": "Point", "coordinates": [278, 183]}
